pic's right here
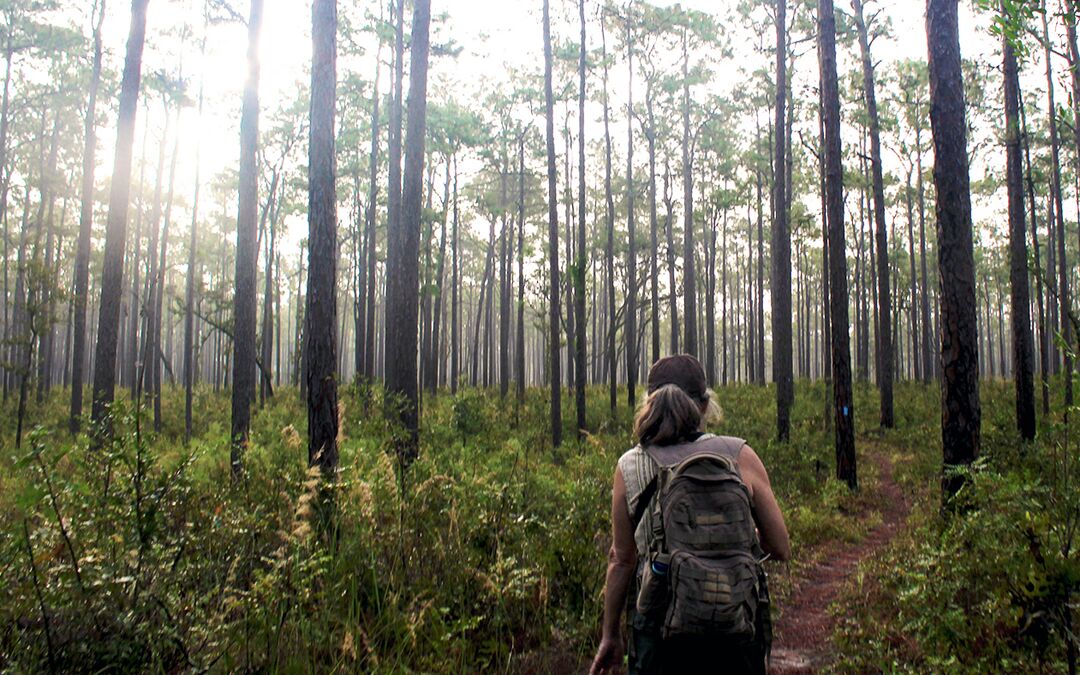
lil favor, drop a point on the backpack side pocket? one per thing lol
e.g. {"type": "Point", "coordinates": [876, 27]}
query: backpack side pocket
{"type": "Point", "coordinates": [652, 599]}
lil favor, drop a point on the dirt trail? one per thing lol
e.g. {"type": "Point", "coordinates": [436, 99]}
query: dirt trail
{"type": "Point", "coordinates": [802, 643]}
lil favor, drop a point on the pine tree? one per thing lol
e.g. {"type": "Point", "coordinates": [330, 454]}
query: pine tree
{"type": "Point", "coordinates": [244, 303]}
{"type": "Point", "coordinates": [838, 290]}
{"type": "Point", "coordinates": [116, 228]}
{"type": "Point", "coordinates": [320, 314]}
{"type": "Point", "coordinates": [960, 409]}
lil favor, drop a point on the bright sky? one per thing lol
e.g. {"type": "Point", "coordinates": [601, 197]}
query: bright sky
{"type": "Point", "coordinates": [513, 37]}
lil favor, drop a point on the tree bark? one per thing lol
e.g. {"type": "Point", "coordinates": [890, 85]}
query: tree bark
{"type": "Point", "coordinates": [630, 326]}
{"type": "Point", "coordinates": [960, 409]}
{"type": "Point", "coordinates": [86, 217]}
{"type": "Point", "coordinates": [1023, 357]}
{"type": "Point", "coordinates": [440, 273]}
{"type": "Point", "coordinates": [368, 369]}
{"type": "Point", "coordinates": [1044, 366]}
{"type": "Point", "coordinates": [609, 250]}
{"type": "Point", "coordinates": [886, 357]}
{"type": "Point", "coordinates": [189, 292]}
{"type": "Point", "coordinates": [553, 241]}
{"type": "Point", "coordinates": [1066, 324]}
{"type": "Point", "coordinates": [579, 265]}
{"type": "Point", "coordinates": [116, 228]}
{"type": "Point", "coordinates": [930, 364]}
{"type": "Point", "coordinates": [244, 301]}
{"type": "Point", "coordinates": [403, 281]}
{"type": "Point", "coordinates": [519, 352]}
{"type": "Point", "coordinates": [455, 311]}
{"type": "Point", "coordinates": [844, 408]}
{"type": "Point", "coordinates": [157, 297]}
{"type": "Point", "coordinates": [654, 292]}
{"type": "Point", "coordinates": [673, 296]}
{"type": "Point", "coordinates": [266, 344]}
{"type": "Point", "coordinates": [780, 284]}
{"type": "Point", "coordinates": [320, 315]}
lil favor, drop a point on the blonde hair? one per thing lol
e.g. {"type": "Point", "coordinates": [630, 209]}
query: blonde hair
{"type": "Point", "coordinates": [669, 415]}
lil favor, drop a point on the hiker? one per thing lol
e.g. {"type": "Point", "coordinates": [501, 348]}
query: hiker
{"type": "Point", "coordinates": [693, 516]}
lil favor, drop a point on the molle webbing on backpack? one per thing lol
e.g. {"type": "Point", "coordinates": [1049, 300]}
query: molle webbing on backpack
{"type": "Point", "coordinates": [711, 596]}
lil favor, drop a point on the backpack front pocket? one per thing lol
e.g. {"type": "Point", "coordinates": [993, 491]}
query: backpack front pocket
{"type": "Point", "coordinates": [713, 596]}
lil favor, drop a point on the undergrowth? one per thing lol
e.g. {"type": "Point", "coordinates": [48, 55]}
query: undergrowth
{"type": "Point", "coordinates": [488, 554]}
{"type": "Point", "coordinates": [989, 586]}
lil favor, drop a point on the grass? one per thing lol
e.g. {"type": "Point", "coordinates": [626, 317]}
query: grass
{"type": "Point", "coordinates": [488, 555]}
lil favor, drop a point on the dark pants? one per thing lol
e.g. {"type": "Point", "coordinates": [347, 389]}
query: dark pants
{"type": "Point", "coordinates": [651, 654]}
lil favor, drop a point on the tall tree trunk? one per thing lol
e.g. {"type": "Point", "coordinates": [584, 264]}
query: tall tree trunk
{"type": "Point", "coordinates": [1044, 366]}
{"type": "Point", "coordinates": [244, 301]}
{"type": "Point", "coordinates": [393, 195]}
{"type": "Point", "coordinates": [724, 304]}
{"type": "Point", "coordinates": [913, 311]}
{"type": "Point", "coordinates": [455, 310]}
{"type": "Point", "coordinates": [960, 410]}
{"type": "Point", "coordinates": [654, 299]}
{"type": "Point", "coordinates": [826, 268]}
{"type": "Point", "coordinates": [320, 316]}
{"type": "Point", "coordinates": [481, 305]}
{"type": "Point", "coordinates": [609, 251]}
{"type": "Point", "coordinates": [116, 229]}
{"type": "Point", "coordinates": [129, 367]}
{"type": "Point", "coordinates": [1066, 323]}
{"type": "Point", "coordinates": [5, 186]}
{"type": "Point", "coordinates": [267, 343]}
{"type": "Point", "coordinates": [568, 276]}
{"type": "Point", "coordinates": [710, 296]}
{"type": "Point", "coordinates": [553, 241]}
{"type": "Point", "coordinates": [45, 331]}
{"type": "Point", "coordinates": [579, 265]}
{"type": "Point", "coordinates": [402, 270]}
{"type": "Point", "coordinates": [884, 306]}
{"type": "Point", "coordinates": [844, 406]}
{"type": "Point", "coordinates": [757, 328]}
{"type": "Point", "coordinates": [506, 250]}
{"type": "Point", "coordinates": [930, 364]}
{"type": "Point", "coordinates": [86, 217]}
{"type": "Point", "coordinates": [689, 278]}
{"type": "Point", "coordinates": [143, 302]}
{"type": "Point", "coordinates": [519, 352]}
{"type": "Point", "coordinates": [369, 226]}
{"type": "Point", "coordinates": [673, 296]}
{"type": "Point", "coordinates": [630, 327]}
{"type": "Point", "coordinates": [780, 283]}
{"type": "Point", "coordinates": [192, 263]}
{"type": "Point", "coordinates": [1020, 299]}
{"type": "Point", "coordinates": [156, 354]}
{"type": "Point", "coordinates": [436, 341]}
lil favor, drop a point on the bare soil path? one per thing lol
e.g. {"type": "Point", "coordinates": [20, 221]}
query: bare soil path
{"type": "Point", "coordinates": [802, 641]}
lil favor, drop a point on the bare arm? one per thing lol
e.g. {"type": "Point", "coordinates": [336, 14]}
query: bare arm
{"type": "Point", "coordinates": [770, 521]}
{"type": "Point", "coordinates": [622, 558]}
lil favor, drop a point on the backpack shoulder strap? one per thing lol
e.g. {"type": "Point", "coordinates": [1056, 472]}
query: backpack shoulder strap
{"type": "Point", "coordinates": [643, 502]}
{"type": "Point", "coordinates": [728, 446]}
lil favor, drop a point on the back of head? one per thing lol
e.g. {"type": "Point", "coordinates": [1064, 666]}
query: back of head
{"type": "Point", "coordinates": [668, 416]}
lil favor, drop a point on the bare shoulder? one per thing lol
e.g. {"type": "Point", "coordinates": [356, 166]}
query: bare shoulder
{"type": "Point", "coordinates": [749, 460]}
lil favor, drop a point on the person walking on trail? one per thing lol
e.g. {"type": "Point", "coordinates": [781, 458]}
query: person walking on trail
{"type": "Point", "coordinates": [693, 518]}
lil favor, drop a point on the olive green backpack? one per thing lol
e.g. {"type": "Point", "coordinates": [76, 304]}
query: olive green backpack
{"type": "Point", "coordinates": [703, 574]}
